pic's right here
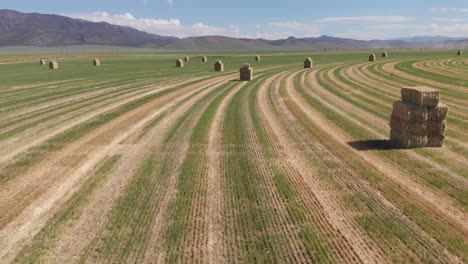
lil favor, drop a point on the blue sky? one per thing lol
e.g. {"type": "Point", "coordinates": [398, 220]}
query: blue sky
{"type": "Point", "coordinates": [268, 19]}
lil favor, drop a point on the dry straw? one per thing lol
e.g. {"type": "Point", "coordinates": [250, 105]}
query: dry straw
{"type": "Point", "coordinates": [308, 63]}
{"type": "Point", "coordinates": [258, 58]}
{"type": "Point", "coordinates": [246, 72]}
{"type": "Point", "coordinates": [204, 59]}
{"type": "Point", "coordinates": [187, 58]}
{"type": "Point", "coordinates": [372, 57]}
{"type": "Point", "coordinates": [96, 62]}
{"type": "Point", "coordinates": [419, 119]}
{"type": "Point", "coordinates": [384, 54]}
{"type": "Point", "coordinates": [53, 65]}
{"type": "Point", "coordinates": [179, 63]}
{"type": "Point", "coordinates": [219, 66]}
{"type": "Point", "coordinates": [42, 62]}
{"type": "Point", "coordinates": [460, 52]}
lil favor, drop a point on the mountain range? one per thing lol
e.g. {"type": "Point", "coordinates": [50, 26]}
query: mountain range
{"type": "Point", "coordinates": [33, 29]}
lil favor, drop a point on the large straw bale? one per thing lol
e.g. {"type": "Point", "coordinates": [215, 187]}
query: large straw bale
{"type": "Point", "coordinates": [308, 63]}
{"type": "Point", "coordinates": [204, 59]}
{"type": "Point", "coordinates": [258, 58]}
{"type": "Point", "coordinates": [409, 112]}
{"type": "Point", "coordinates": [420, 96]}
{"type": "Point", "coordinates": [460, 52]}
{"type": "Point", "coordinates": [187, 58]}
{"type": "Point", "coordinates": [436, 128]}
{"type": "Point", "coordinates": [408, 127]}
{"type": "Point", "coordinates": [246, 73]}
{"type": "Point", "coordinates": [438, 113]}
{"type": "Point", "coordinates": [179, 63]}
{"type": "Point", "coordinates": [96, 62]}
{"type": "Point", "coordinates": [384, 54]}
{"type": "Point", "coordinates": [435, 141]}
{"type": "Point", "coordinates": [408, 141]}
{"type": "Point", "coordinates": [372, 57]}
{"type": "Point", "coordinates": [219, 66]}
{"type": "Point", "coordinates": [42, 62]}
{"type": "Point", "coordinates": [53, 65]}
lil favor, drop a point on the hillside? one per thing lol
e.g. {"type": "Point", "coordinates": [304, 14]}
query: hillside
{"type": "Point", "coordinates": [20, 29]}
{"type": "Point", "coordinates": [52, 30]}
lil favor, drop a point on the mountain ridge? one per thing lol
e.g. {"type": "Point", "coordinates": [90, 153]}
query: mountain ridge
{"type": "Point", "coordinates": [48, 30]}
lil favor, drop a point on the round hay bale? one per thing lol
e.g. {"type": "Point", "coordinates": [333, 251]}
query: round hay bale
{"type": "Point", "coordinates": [53, 65]}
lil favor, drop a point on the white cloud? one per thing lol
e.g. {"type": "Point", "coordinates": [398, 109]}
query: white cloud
{"type": "Point", "coordinates": [368, 19]}
{"type": "Point", "coordinates": [167, 27]}
{"type": "Point", "coordinates": [448, 19]}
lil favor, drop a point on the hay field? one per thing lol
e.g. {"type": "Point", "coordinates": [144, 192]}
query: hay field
{"type": "Point", "coordinates": [137, 161]}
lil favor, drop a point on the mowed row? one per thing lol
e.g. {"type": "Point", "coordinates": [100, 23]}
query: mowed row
{"type": "Point", "coordinates": [140, 161]}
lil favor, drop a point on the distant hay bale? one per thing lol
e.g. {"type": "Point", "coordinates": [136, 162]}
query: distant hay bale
{"type": "Point", "coordinates": [258, 58]}
{"type": "Point", "coordinates": [372, 57]}
{"type": "Point", "coordinates": [246, 72]}
{"type": "Point", "coordinates": [179, 63]}
{"type": "Point", "coordinates": [460, 52]}
{"type": "Point", "coordinates": [204, 59]}
{"type": "Point", "coordinates": [187, 58]}
{"type": "Point", "coordinates": [219, 66]}
{"type": "Point", "coordinates": [53, 65]}
{"type": "Point", "coordinates": [384, 54]}
{"type": "Point", "coordinates": [420, 96]}
{"type": "Point", "coordinates": [42, 62]}
{"type": "Point", "coordinates": [308, 63]}
{"type": "Point", "coordinates": [96, 62]}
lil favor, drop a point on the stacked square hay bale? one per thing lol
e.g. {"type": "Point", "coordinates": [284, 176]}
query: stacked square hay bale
{"type": "Point", "coordinates": [219, 66]}
{"type": "Point", "coordinates": [42, 62]}
{"type": "Point", "coordinates": [179, 63]}
{"type": "Point", "coordinates": [372, 57]}
{"type": "Point", "coordinates": [419, 119]}
{"type": "Point", "coordinates": [460, 52]}
{"type": "Point", "coordinates": [96, 62]}
{"type": "Point", "coordinates": [258, 58]}
{"type": "Point", "coordinates": [53, 65]}
{"type": "Point", "coordinates": [385, 54]}
{"type": "Point", "coordinates": [308, 63]}
{"type": "Point", "coordinates": [204, 59]}
{"type": "Point", "coordinates": [246, 72]}
{"type": "Point", "coordinates": [187, 58]}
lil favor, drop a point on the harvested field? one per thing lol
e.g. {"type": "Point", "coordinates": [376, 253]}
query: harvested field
{"type": "Point", "coordinates": [143, 162]}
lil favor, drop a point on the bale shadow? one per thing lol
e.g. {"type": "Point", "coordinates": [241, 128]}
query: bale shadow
{"type": "Point", "coordinates": [379, 144]}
